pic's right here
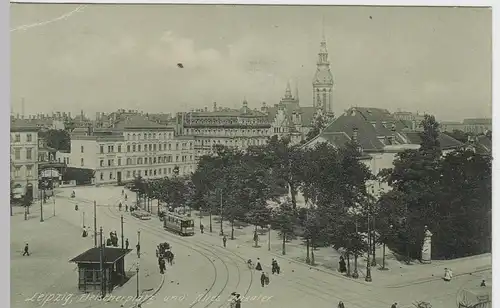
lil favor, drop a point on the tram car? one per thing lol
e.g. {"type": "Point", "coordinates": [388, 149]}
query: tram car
{"type": "Point", "coordinates": [178, 224]}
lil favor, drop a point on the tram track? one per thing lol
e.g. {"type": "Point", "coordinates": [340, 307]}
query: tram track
{"type": "Point", "coordinates": [153, 231]}
{"type": "Point", "coordinates": [317, 288]}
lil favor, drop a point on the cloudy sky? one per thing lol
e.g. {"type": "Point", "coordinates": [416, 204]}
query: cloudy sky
{"type": "Point", "coordinates": [105, 57]}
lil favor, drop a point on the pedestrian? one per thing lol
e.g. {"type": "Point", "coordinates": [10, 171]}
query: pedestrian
{"type": "Point", "coordinates": [126, 244]}
{"type": "Point", "coordinates": [138, 248]}
{"type": "Point", "coordinates": [76, 207]}
{"type": "Point", "coordinates": [123, 192]}
{"type": "Point", "coordinates": [224, 240]}
{"type": "Point", "coordinates": [120, 206]}
{"type": "Point", "coordinates": [26, 250]}
{"type": "Point", "coordinates": [202, 228]}
{"type": "Point", "coordinates": [342, 267]}
{"type": "Point", "coordinates": [84, 234]}
{"type": "Point", "coordinates": [258, 267]}
{"type": "Point", "coordinates": [125, 197]}
{"type": "Point", "coordinates": [263, 279]}
{"type": "Point", "coordinates": [232, 302]}
{"type": "Point", "coordinates": [483, 283]}
{"type": "Point", "coordinates": [447, 274]}
{"type": "Point", "coordinates": [267, 278]}
{"type": "Point", "coordinates": [341, 305]}
{"type": "Point", "coordinates": [273, 266]}
{"type": "Point", "coordinates": [126, 208]}
{"type": "Point", "coordinates": [395, 305]}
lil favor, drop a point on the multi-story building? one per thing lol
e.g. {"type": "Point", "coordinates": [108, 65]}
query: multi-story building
{"type": "Point", "coordinates": [410, 119]}
{"type": "Point", "coordinates": [380, 137]}
{"type": "Point", "coordinates": [475, 126]}
{"type": "Point", "coordinates": [132, 147]}
{"type": "Point", "coordinates": [24, 158]}
{"type": "Point", "coordinates": [238, 128]}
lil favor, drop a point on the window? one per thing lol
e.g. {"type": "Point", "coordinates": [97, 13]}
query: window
{"type": "Point", "coordinates": [154, 147]}
{"type": "Point", "coordinates": [139, 161]}
{"type": "Point", "coordinates": [150, 147]}
{"type": "Point", "coordinates": [29, 138]}
{"type": "Point", "coordinates": [101, 163]}
{"type": "Point", "coordinates": [151, 160]}
{"type": "Point", "coordinates": [81, 162]}
{"type": "Point", "coordinates": [164, 170]}
{"type": "Point", "coordinates": [154, 160]}
{"type": "Point", "coordinates": [133, 173]}
{"type": "Point", "coordinates": [169, 147]}
{"type": "Point", "coordinates": [17, 171]}
{"type": "Point", "coordinates": [111, 175]}
{"type": "Point", "coordinates": [119, 148]}
{"type": "Point", "coordinates": [139, 172]}
{"type": "Point", "coordinates": [29, 153]}
{"type": "Point", "coordinates": [119, 161]}
{"type": "Point", "coordinates": [81, 149]}
{"type": "Point", "coordinates": [177, 158]}
{"type": "Point", "coordinates": [128, 174]}
{"type": "Point", "coordinates": [159, 171]}
{"type": "Point", "coordinates": [154, 172]}
{"type": "Point", "coordinates": [17, 154]}
{"type": "Point", "coordinates": [169, 170]}
{"type": "Point", "coordinates": [128, 148]}
{"type": "Point", "coordinates": [110, 149]}
{"type": "Point", "coordinates": [176, 146]}
{"type": "Point", "coordinates": [145, 172]}
{"type": "Point", "coordinates": [29, 170]}
{"type": "Point", "coordinates": [133, 148]}
{"type": "Point", "coordinates": [154, 135]}
{"type": "Point", "coordinates": [102, 149]}
{"type": "Point", "coordinates": [18, 138]}
{"type": "Point", "coordinates": [138, 148]}
{"type": "Point", "coordinates": [109, 162]}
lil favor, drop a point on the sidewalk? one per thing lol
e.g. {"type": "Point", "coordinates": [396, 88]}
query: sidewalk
{"type": "Point", "coordinates": [399, 274]}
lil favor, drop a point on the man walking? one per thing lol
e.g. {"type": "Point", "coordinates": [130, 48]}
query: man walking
{"type": "Point", "coordinates": [224, 240]}
{"type": "Point", "coordinates": [26, 250]}
{"type": "Point", "coordinates": [138, 248]}
{"type": "Point", "coordinates": [126, 244]}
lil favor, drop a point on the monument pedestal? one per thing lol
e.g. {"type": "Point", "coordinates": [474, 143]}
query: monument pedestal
{"type": "Point", "coordinates": [426, 247]}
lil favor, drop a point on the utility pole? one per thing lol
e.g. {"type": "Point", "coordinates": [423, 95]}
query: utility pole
{"type": "Point", "coordinates": [221, 228]}
{"type": "Point", "coordinates": [122, 231]}
{"type": "Point", "coordinates": [269, 239]}
{"type": "Point", "coordinates": [95, 224]}
{"type": "Point", "coordinates": [210, 217]}
{"type": "Point", "coordinates": [54, 197]}
{"type": "Point", "coordinates": [137, 270]}
{"type": "Point", "coordinates": [101, 263]}
{"type": "Point", "coordinates": [83, 219]}
{"type": "Point", "coordinates": [41, 204]}
{"type": "Point", "coordinates": [139, 243]}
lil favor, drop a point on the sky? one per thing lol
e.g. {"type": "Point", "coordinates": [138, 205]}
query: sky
{"type": "Point", "coordinates": [66, 57]}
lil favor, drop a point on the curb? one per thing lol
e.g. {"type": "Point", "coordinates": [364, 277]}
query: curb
{"type": "Point", "coordinates": [436, 278]}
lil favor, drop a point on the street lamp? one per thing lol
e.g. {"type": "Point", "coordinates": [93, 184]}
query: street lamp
{"type": "Point", "coordinates": [368, 277]}
{"type": "Point", "coordinates": [383, 250]}
{"type": "Point", "coordinates": [54, 197]}
{"type": "Point", "coordinates": [137, 271]}
{"type": "Point", "coordinates": [355, 274]}
{"type": "Point", "coordinates": [269, 239]}
{"type": "Point", "coordinates": [221, 228]}
{"type": "Point", "coordinates": [41, 202]}
{"type": "Point", "coordinates": [121, 222]}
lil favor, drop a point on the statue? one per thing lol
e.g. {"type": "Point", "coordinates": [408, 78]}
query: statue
{"type": "Point", "coordinates": [426, 247]}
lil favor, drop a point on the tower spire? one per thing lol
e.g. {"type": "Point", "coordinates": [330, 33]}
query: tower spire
{"type": "Point", "coordinates": [323, 28]}
{"type": "Point", "coordinates": [288, 91]}
{"type": "Point", "coordinates": [296, 90]}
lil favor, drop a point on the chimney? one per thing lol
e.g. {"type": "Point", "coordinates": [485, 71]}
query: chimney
{"type": "Point", "coordinates": [215, 106]}
{"type": "Point", "coordinates": [355, 134]}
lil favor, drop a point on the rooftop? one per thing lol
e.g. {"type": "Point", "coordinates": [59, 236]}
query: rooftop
{"type": "Point", "coordinates": [20, 125]}
{"type": "Point", "coordinates": [110, 254]}
{"type": "Point", "coordinates": [138, 121]}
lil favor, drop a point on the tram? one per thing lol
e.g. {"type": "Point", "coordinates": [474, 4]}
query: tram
{"type": "Point", "coordinates": [179, 224]}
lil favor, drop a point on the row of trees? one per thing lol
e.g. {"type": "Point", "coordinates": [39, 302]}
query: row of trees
{"type": "Point", "coordinates": [451, 194]}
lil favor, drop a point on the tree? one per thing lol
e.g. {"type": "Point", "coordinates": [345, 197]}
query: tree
{"type": "Point", "coordinates": [58, 139]}
{"type": "Point", "coordinates": [313, 225]}
{"type": "Point", "coordinates": [319, 123]}
{"type": "Point", "coordinates": [284, 219]}
{"type": "Point", "coordinates": [259, 216]}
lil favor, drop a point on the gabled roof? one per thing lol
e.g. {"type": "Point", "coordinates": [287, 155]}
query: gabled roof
{"type": "Point", "coordinates": [306, 114]}
{"type": "Point", "coordinates": [110, 254]}
{"type": "Point", "coordinates": [137, 121]}
{"type": "Point", "coordinates": [375, 125]}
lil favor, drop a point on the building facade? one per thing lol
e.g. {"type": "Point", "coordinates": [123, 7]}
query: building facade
{"type": "Point", "coordinates": [234, 128]}
{"type": "Point", "coordinates": [24, 158]}
{"type": "Point", "coordinates": [323, 81]}
{"type": "Point", "coordinates": [474, 126]}
{"type": "Point", "coordinates": [132, 147]}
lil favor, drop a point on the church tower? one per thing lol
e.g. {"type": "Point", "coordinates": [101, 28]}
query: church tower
{"type": "Point", "coordinates": [323, 81]}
